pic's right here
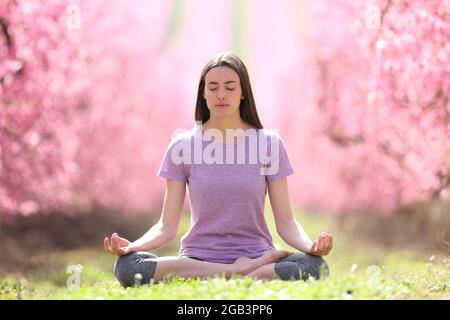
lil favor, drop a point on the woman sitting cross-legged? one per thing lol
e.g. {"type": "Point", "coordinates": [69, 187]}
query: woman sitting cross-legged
{"type": "Point", "coordinates": [228, 233]}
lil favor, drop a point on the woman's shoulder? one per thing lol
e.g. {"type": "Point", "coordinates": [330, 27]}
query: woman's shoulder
{"type": "Point", "coordinates": [271, 135]}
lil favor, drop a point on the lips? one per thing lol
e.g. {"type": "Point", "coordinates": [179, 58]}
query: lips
{"type": "Point", "coordinates": [222, 105]}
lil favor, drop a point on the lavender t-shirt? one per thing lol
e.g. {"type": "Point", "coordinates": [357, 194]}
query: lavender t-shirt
{"type": "Point", "coordinates": [227, 187]}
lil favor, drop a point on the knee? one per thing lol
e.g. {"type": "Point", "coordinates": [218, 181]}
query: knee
{"type": "Point", "coordinates": [287, 270]}
{"type": "Point", "coordinates": [302, 266]}
{"type": "Point", "coordinates": [123, 269]}
{"type": "Point", "coordinates": [312, 266]}
{"type": "Point", "coordinates": [128, 266]}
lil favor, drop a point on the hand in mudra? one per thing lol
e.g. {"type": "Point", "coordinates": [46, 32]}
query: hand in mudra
{"type": "Point", "coordinates": [117, 246]}
{"type": "Point", "coordinates": [323, 245]}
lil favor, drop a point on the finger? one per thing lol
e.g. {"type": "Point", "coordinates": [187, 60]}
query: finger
{"type": "Point", "coordinates": [321, 243]}
{"type": "Point", "coordinates": [314, 247]}
{"type": "Point", "coordinates": [324, 244]}
{"type": "Point", "coordinates": [330, 245]}
{"type": "Point", "coordinates": [123, 242]}
{"type": "Point", "coordinates": [111, 240]}
{"type": "Point", "coordinates": [106, 245]}
{"type": "Point", "coordinates": [285, 252]}
{"type": "Point", "coordinates": [326, 249]}
{"type": "Point", "coordinates": [120, 245]}
{"type": "Point", "coordinates": [316, 251]}
{"type": "Point", "coordinates": [319, 252]}
{"type": "Point", "coordinates": [117, 239]}
{"type": "Point", "coordinates": [327, 244]}
{"type": "Point", "coordinates": [326, 239]}
{"type": "Point", "coordinates": [317, 246]}
{"type": "Point", "coordinates": [330, 242]}
{"type": "Point", "coordinates": [115, 243]}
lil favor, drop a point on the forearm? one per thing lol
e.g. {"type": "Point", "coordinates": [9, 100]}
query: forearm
{"type": "Point", "coordinates": [156, 237]}
{"type": "Point", "coordinates": [294, 235]}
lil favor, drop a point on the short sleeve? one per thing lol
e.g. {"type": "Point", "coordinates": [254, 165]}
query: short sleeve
{"type": "Point", "coordinates": [172, 165]}
{"type": "Point", "coordinates": [280, 164]}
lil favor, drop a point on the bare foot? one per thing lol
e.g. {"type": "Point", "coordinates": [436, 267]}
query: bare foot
{"type": "Point", "coordinates": [246, 265]}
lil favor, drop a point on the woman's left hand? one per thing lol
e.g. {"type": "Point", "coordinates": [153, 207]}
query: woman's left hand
{"type": "Point", "coordinates": [322, 246]}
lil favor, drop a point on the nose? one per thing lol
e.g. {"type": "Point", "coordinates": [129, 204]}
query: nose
{"type": "Point", "coordinates": [221, 94]}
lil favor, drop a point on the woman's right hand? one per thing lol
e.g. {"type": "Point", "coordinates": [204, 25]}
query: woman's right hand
{"type": "Point", "coordinates": [118, 246]}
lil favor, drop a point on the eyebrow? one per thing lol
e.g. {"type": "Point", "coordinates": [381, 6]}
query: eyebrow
{"type": "Point", "coordinates": [213, 82]}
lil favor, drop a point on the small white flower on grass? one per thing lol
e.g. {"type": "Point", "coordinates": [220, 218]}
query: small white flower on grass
{"type": "Point", "coordinates": [347, 296]}
{"type": "Point", "coordinates": [447, 263]}
{"type": "Point", "coordinates": [353, 268]}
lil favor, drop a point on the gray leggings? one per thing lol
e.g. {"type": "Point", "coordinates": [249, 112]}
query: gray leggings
{"type": "Point", "coordinates": [294, 267]}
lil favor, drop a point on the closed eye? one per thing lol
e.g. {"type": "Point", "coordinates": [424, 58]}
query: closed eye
{"type": "Point", "coordinates": [229, 89]}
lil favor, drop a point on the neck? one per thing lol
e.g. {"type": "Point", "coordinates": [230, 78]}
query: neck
{"type": "Point", "coordinates": [223, 124]}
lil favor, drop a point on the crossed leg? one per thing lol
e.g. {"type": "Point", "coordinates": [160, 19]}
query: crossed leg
{"type": "Point", "coordinates": [265, 272]}
{"type": "Point", "coordinates": [149, 266]}
{"type": "Point", "coordinates": [293, 267]}
{"type": "Point", "coordinates": [192, 268]}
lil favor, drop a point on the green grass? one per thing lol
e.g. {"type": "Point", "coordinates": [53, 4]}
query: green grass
{"type": "Point", "coordinates": [358, 271]}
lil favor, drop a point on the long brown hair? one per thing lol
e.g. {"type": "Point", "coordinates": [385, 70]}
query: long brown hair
{"type": "Point", "coordinates": [247, 107]}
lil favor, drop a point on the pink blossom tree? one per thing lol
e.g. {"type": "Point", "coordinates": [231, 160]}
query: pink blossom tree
{"type": "Point", "coordinates": [78, 115]}
{"type": "Point", "coordinates": [91, 93]}
{"type": "Point", "coordinates": [375, 113]}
